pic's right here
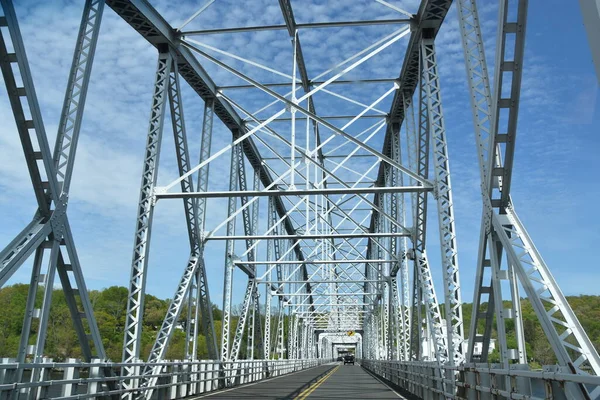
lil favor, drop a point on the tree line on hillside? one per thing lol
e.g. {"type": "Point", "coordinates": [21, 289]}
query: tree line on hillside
{"type": "Point", "coordinates": [110, 307]}
{"type": "Point", "coordinates": [539, 351]}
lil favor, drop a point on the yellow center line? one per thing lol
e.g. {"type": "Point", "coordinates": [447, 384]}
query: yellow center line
{"type": "Point", "coordinates": [304, 394]}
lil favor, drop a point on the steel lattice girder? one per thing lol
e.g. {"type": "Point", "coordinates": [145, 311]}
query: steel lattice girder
{"type": "Point", "coordinates": [50, 228]}
{"type": "Point", "coordinates": [501, 229]}
{"type": "Point", "coordinates": [150, 25]}
{"type": "Point", "coordinates": [137, 285]}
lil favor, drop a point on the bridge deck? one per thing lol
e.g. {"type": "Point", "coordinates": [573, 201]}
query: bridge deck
{"type": "Point", "coordinates": [332, 381]}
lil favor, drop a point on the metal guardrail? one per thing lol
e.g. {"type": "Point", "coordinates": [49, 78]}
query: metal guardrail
{"type": "Point", "coordinates": [102, 380]}
{"type": "Point", "coordinates": [482, 381]}
{"type": "Point", "coordinates": [419, 378]}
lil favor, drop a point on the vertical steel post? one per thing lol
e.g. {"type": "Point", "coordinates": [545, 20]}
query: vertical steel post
{"type": "Point", "coordinates": [202, 294]}
{"type": "Point", "coordinates": [137, 284]}
{"type": "Point", "coordinates": [443, 194]}
{"type": "Point", "coordinates": [426, 290]}
{"type": "Point", "coordinates": [229, 254]}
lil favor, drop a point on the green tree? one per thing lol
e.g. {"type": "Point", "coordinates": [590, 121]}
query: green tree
{"type": "Point", "coordinates": [110, 308]}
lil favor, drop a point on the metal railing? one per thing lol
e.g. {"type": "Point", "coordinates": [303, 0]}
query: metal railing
{"type": "Point", "coordinates": [100, 380]}
{"type": "Point", "coordinates": [483, 381]}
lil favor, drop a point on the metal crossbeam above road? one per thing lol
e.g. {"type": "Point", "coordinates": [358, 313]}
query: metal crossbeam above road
{"type": "Point", "coordinates": [310, 237]}
{"type": "Point", "coordinates": [291, 192]}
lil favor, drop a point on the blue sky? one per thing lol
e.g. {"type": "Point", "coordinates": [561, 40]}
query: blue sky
{"type": "Point", "coordinates": [555, 184]}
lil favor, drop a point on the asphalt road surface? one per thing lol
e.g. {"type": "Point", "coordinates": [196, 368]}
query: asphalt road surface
{"type": "Point", "coordinates": [331, 381]}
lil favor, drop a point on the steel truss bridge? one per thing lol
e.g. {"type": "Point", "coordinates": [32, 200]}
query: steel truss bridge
{"type": "Point", "coordinates": [326, 216]}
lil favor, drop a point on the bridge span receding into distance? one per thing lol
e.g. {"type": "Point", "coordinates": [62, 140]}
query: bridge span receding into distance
{"type": "Point", "coordinates": [324, 129]}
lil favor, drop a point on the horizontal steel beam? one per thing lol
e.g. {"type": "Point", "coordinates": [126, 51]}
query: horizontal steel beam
{"type": "Point", "coordinates": [325, 325]}
{"type": "Point", "coordinates": [286, 262]}
{"type": "Point", "coordinates": [287, 119]}
{"type": "Point", "coordinates": [322, 325]}
{"type": "Point", "coordinates": [355, 210]}
{"type": "Point", "coordinates": [354, 327]}
{"type": "Point", "coordinates": [311, 237]}
{"type": "Point", "coordinates": [279, 158]}
{"type": "Point", "coordinates": [319, 319]}
{"type": "Point", "coordinates": [317, 295]}
{"type": "Point", "coordinates": [359, 281]}
{"type": "Point", "coordinates": [329, 326]}
{"type": "Point", "coordinates": [320, 316]}
{"type": "Point", "coordinates": [336, 305]}
{"type": "Point", "coordinates": [312, 25]}
{"type": "Point", "coordinates": [312, 83]}
{"type": "Point", "coordinates": [323, 319]}
{"type": "Point", "coordinates": [296, 192]}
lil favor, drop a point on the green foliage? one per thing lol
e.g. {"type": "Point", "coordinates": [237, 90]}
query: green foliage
{"type": "Point", "coordinates": [539, 351]}
{"type": "Point", "coordinates": [12, 309]}
{"type": "Point", "coordinates": [110, 307]}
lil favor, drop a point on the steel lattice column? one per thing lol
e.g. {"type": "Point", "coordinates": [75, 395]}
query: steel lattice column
{"type": "Point", "coordinates": [501, 227]}
{"type": "Point", "coordinates": [79, 77]}
{"type": "Point", "coordinates": [424, 289]}
{"type": "Point", "coordinates": [412, 157]}
{"type": "Point", "coordinates": [202, 295]}
{"type": "Point", "coordinates": [229, 254]}
{"type": "Point", "coordinates": [268, 295]}
{"type": "Point", "coordinates": [195, 267]}
{"type": "Point", "coordinates": [484, 127]}
{"type": "Point", "coordinates": [280, 340]}
{"type": "Point", "coordinates": [137, 284]}
{"type": "Point", "coordinates": [443, 193]}
{"type": "Point", "coordinates": [50, 227]}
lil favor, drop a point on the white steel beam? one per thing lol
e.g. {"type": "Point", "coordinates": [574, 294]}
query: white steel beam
{"type": "Point", "coordinates": [137, 284]}
{"type": "Point", "coordinates": [161, 194]}
{"type": "Point", "coordinates": [443, 194]}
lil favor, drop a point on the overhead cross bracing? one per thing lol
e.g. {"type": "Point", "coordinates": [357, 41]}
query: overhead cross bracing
{"type": "Point", "coordinates": [320, 194]}
{"type": "Point", "coordinates": [310, 177]}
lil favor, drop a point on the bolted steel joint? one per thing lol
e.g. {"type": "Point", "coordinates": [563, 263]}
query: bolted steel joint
{"type": "Point", "coordinates": [57, 219]}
